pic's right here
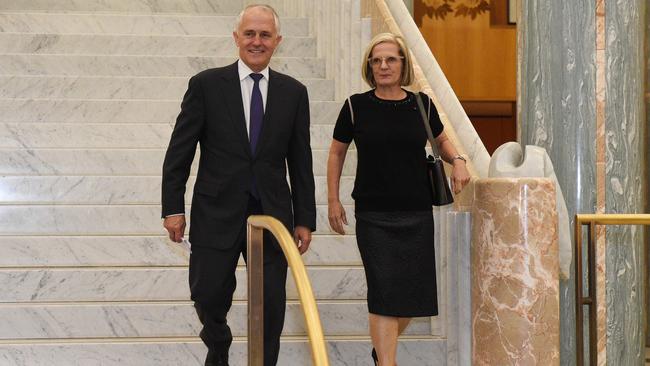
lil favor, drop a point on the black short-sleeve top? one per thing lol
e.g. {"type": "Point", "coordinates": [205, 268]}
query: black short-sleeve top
{"type": "Point", "coordinates": [390, 138]}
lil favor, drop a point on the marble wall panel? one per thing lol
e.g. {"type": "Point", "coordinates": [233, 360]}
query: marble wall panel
{"type": "Point", "coordinates": [624, 183]}
{"type": "Point", "coordinates": [557, 80]}
{"type": "Point", "coordinates": [134, 24]}
{"type": "Point", "coordinates": [191, 352]}
{"type": "Point", "coordinates": [135, 6]}
{"type": "Point", "coordinates": [116, 251]}
{"type": "Point", "coordinates": [122, 111]}
{"type": "Point", "coordinates": [88, 65]}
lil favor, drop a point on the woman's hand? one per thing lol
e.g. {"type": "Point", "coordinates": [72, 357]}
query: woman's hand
{"type": "Point", "coordinates": [336, 215]}
{"type": "Point", "coordinates": [459, 176]}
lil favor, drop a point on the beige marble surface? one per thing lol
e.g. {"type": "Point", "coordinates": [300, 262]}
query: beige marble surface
{"type": "Point", "coordinates": [515, 295]}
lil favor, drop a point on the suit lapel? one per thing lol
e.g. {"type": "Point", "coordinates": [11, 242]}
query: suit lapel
{"type": "Point", "coordinates": [272, 98]}
{"type": "Point", "coordinates": [235, 105]}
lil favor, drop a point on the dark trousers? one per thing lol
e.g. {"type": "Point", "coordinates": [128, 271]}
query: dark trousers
{"type": "Point", "coordinates": [212, 284]}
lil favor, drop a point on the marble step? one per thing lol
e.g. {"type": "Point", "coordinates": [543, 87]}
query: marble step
{"type": "Point", "coordinates": [120, 111]}
{"type": "Point", "coordinates": [137, 45]}
{"type": "Point", "coordinates": [127, 6]}
{"type": "Point", "coordinates": [104, 136]}
{"type": "Point", "coordinates": [342, 351]}
{"type": "Point", "coordinates": [173, 319]}
{"type": "Point", "coordinates": [115, 251]}
{"type": "Point", "coordinates": [107, 220]}
{"type": "Point", "coordinates": [116, 162]}
{"type": "Point", "coordinates": [155, 284]}
{"type": "Point", "coordinates": [102, 65]}
{"type": "Point", "coordinates": [129, 88]}
{"type": "Point", "coordinates": [134, 24]}
{"type": "Point", "coordinates": [109, 190]}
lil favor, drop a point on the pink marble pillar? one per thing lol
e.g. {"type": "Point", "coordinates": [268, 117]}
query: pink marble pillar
{"type": "Point", "coordinates": [515, 269]}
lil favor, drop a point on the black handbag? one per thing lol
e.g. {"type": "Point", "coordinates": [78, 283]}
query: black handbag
{"type": "Point", "coordinates": [435, 170]}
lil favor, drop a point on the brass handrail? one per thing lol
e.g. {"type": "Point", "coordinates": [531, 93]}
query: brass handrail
{"type": "Point", "coordinates": [592, 220]}
{"type": "Point", "coordinates": [256, 226]}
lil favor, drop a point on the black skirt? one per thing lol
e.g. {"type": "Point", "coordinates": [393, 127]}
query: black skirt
{"type": "Point", "coordinates": [397, 250]}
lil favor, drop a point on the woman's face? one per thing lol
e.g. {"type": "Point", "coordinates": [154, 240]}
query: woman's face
{"type": "Point", "coordinates": [386, 64]}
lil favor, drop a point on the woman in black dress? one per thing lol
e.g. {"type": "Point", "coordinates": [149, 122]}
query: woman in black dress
{"type": "Point", "coordinates": [394, 219]}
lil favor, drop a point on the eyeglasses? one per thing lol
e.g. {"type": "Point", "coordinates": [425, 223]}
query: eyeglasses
{"type": "Point", "coordinates": [390, 60]}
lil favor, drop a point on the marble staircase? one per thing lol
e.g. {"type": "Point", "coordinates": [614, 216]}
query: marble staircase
{"type": "Point", "coordinates": [89, 91]}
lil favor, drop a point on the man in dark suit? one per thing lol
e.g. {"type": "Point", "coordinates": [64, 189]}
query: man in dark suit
{"type": "Point", "coordinates": [251, 124]}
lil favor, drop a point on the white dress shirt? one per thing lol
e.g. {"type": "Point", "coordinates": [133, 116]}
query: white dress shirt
{"type": "Point", "coordinates": [247, 83]}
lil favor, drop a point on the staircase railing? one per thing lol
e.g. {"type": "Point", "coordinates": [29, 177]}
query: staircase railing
{"type": "Point", "coordinates": [590, 300]}
{"type": "Point", "coordinates": [256, 226]}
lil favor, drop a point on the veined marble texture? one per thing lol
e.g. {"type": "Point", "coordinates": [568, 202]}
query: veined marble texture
{"type": "Point", "coordinates": [117, 162]}
{"type": "Point", "coordinates": [105, 136]}
{"type": "Point", "coordinates": [625, 141]}
{"type": "Point", "coordinates": [103, 220]}
{"type": "Point", "coordinates": [134, 24]}
{"type": "Point", "coordinates": [557, 101]}
{"type": "Point", "coordinates": [174, 319]}
{"type": "Point", "coordinates": [116, 251]}
{"type": "Point", "coordinates": [146, 45]}
{"type": "Point", "coordinates": [88, 65]}
{"type": "Point", "coordinates": [155, 284]}
{"type": "Point", "coordinates": [122, 111]}
{"type": "Point", "coordinates": [515, 273]}
{"type": "Point", "coordinates": [135, 6]}
{"type": "Point", "coordinates": [129, 88]}
{"type": "Point", "coordinates": [428, 352]}
{"type": "Point", "coordinates": [106, 190]}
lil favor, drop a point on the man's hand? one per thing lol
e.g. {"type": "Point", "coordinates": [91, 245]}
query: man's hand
{"type": "Point", "coordinates": [175, 225]}
{"type": "Point", "coordinates": [302, 236]}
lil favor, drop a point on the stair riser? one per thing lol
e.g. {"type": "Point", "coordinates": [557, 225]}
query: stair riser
{"type": "Point", "coordinates": [155, 284]}
{"type": "Point", "coordinates": [114, 162]}
{"type": "Point", "coordinates": [107, 190]}
{"type": "Point", "coordinates": [162, 320]}
{"type": "Point", "coordinates": [141, 45]}
{"type": "Point", "coordinates": [292, 353]}
{"type": "Point", "coordinates": [123, 111]}
{"type": "Point", "coordinates": [38, 251]}
{"type": "Point", "coordinates": [103, 220]}
{"type": "Point", "coordinates": [158, 24]}
{"type": "Point", "coordinates": [131, 6]}
{"type": "Point", "coordinates": [143, 65]}
{"type": "Point", "coordinates": [104, 136]}
{"type": "Point", "coordinates": [153, 88]}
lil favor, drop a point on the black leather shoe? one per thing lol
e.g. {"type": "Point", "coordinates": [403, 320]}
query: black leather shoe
{"type": "Point", "coordinates": [374, 357]}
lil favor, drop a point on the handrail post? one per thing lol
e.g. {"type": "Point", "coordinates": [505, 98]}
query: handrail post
{"type": "Point", "coordinates": [255, 271]}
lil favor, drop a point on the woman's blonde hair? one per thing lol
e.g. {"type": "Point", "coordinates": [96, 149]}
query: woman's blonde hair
{"type": "Point", "coordinates": [407, 66]}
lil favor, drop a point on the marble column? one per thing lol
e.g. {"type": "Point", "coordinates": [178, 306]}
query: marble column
{"type": "Point", "coordinates": [557, 88]}
{"type": "Point", "coordinates": [624, 183]}
{"type": "Point", "coordinates": [515, 273]}
{"type": "Point", "coordinates": [581, 98]}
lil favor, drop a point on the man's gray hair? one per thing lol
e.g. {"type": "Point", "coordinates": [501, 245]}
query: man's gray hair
{"type": "Point", "coordinates": [269, 8]}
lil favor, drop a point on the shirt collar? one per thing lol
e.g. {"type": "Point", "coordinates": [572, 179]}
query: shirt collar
{"type": "Point", "coordinates": [245, 71]}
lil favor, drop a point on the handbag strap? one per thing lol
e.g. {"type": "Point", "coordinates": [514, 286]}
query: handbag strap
{"type": "Point", "coordinates": [425, 119]}
{"type": "Point", "coordinates": [351, 111]}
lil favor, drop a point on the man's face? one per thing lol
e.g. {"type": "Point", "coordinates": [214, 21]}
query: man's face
{"type": "Point", "coordinates": [256, 38]}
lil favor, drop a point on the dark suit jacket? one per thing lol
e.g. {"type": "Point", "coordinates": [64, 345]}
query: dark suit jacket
{"type": "Point", "coordinates": [212, 114]}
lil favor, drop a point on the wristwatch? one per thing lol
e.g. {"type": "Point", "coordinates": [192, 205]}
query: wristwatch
{"type": "Point", "coordinates": [460, 157]}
